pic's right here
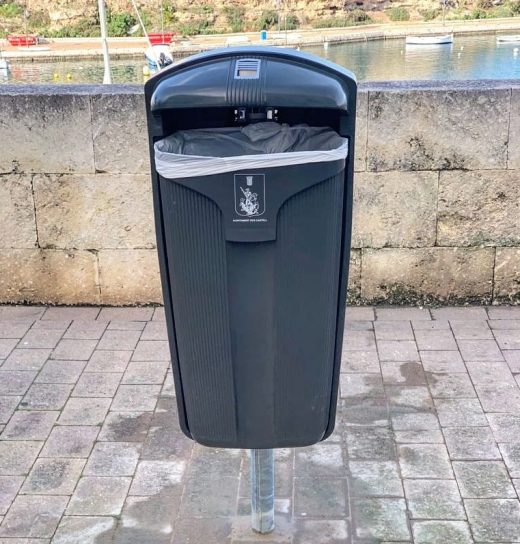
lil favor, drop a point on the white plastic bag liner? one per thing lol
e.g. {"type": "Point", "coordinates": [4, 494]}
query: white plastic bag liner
{"type": "Point", "coordinates": [203, 152]}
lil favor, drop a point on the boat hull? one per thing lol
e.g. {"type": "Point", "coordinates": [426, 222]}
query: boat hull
{"type": "Point", "coordinates": [429, 40]}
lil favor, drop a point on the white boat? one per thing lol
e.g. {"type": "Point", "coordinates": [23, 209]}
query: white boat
{"type": "Point", "coordinates": [429, 40]}
{"type": "Point", "coordinates": [158, 56]}
{"type": "Point", "coordinates": [513, 38]}
{"type": "Point", "coordinates": [4, 64]}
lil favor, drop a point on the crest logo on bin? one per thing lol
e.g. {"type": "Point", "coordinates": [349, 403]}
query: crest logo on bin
{"type": "Point", "coordinates": [250, 194]}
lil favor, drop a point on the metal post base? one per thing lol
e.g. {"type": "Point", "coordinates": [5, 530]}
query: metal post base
{"type": "Point", "coordinates": [262, 491]}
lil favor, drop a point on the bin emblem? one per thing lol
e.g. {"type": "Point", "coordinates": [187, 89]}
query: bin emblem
{"type": "Point", "coordinates": [250, 194]}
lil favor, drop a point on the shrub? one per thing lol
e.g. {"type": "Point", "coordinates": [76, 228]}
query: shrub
{"type": "Point", "coordinates": [291, 22]}
{"type": "Point", "coordinates": [235, 17]}
{"type": "Point", "coordinates": [502, 11]}
{"type": "Point", "coordinates": [10, 10]}
{"type": "Point", "coordinates": [398, 13]}
{"type": "Point", "coordinates": [169, 13]}
{"type": "Point", "coordinates": [86, 28]}
{"type": "Point", "coordinates": [39, 19]}
{"type": "Point", "coordinates": [330, 22]}
{"type": "Point", "coordinates": [119, 24]}
{"type": "Point", "coordinates": [267, 20]}
{"type": "Point", "coordinates": [514, 6]}
{"type": "Point", "coordinates": [477, 13]}
{"type": "Point", "coordinates": [430, 14]}
{"type": "Point", "coordinates": [357, 16]}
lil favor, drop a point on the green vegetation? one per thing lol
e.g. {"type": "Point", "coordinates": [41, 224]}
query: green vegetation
{"type": "Point", "coordinates": [431, 14]}
{"type": "Point", "coordinates": [119, 24]}
{"type": "Point", "coordinates": [267, 20]}
{"type": "Point", "coordinates": [351, 18]}
{"type": "Point", "coordinates": [9, 10]}
{"type": "Point", "coordinates": [398, 13]}
{"type": "Point", "coordinates": [235, 17]}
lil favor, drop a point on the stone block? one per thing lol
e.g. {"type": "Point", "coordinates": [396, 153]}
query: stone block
{"type": "Point", "coordinates": [354, 276]}
{"type": "Point", "coordinates": [94, 211]}
{"type": "Point", "coordinates": [398, 276]}
{"type": "Point", "coordinates": [99, 496]}
{"type": "Point", "coordinates": [360, 154]}
{"type": "Point", "coordinates": [46, 131]}
{"type": "Point", "coordinates": [118, 286]}
{"type": "Point", "coordinates": [50, 276]}
{"type": "Point", "coordinates": [478, 208]}
{"type": "Point", "coordinates": [120, 132]}
{"type": "Point", "coordinates": [381, 218]}
{"type": "Point", "coordinates": [507, 275]}
{"type": "Point", "coordinates": [401, 134]}
{"type": "Point", "coordinates": [17, 220]}
{"type": "Point", "coordinates": [513, 154]}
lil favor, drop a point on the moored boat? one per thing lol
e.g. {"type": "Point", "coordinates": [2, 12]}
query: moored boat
{"type": "Point", "coordinates": [22, 40]}
{"type": "Point", "coordinates": [514, 38]}
{"type": "Point", "coordinates": [429, 40]}
{"type": "Point", "coordinates": [158, 56]}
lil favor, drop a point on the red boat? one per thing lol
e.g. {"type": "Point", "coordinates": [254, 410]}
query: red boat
{"type": "Point", "coordinates": [159, 38]}
{"type": "Point", "coordinates": [24, 40]}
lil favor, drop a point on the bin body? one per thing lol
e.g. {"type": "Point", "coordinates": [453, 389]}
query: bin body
{"type": "Point", "coordinates": [254, 302]}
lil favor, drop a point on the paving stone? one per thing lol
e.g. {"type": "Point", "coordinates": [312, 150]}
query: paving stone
{"type": "Point", "coordinates": [73, 441]}
{"type": "Point", "coordinates": [145, 372]}
{"type": "Point", "coordinates": [503, 312]}
{"type": "Point", "coordinates": [17, 458]}
{"type": "Point", "coordinates": [374, 478]}
{"type": "Point", "coordinates": [359, 340]}
{"type": "Point", "coordinates": [450, 386]}
{"type": "Point", "coordinates": [60, 372]}
{"type": "Point", "coordinates": [367, 412]}
{"type": "Point", "coordinates": [393, 330]}
{"type": "Point", "coordinates": [21, 312]}
{"type": "Point", "coordinates": [97, 384]}
{"type": "Point", "coordinates": [397, 350]}
{"type": "Point", "coordinates": [433, 532]}
{"type": "Point", "coordinates": [152, 350]}
{"type": "Point", "coordinates": [126, 314]}
{"type": "Point", "coordinates": [320, 498]}
{"type": "Point", "coordinates": [71, 312]}
{"type": "Point", "coordinates": [119, 340]}
{"type": "Point", "coordinates": [113, 459]}
{"type": "Point", "coordinates": [438, 325]}
{"type": "Point", "coordinates": [121, 325]}
{"type": "Point", "coordinates": [484, 372]}
{"type": "Point", "coordinates": [41, 338]}
{"type": "Point", "coordinates": [434, 499]}
{"type": "Point", "coordinates": [358, 326]}
{"type": "Point", "coordinates": [424, 461]}
{"type": "Point", "coordinates": [30, 425]}
{"type": "Point", "coordinates": [465, 443]}
{"type": "Point", "coordinates": [442, 361]}
{"type": "Point", "coordinates": [435, 340]}
{"type": "Point", "coordinates": [155, 330]}
{"type": "Point", "coordinates": [99, 496]}
{"type": "Point", "coordinates": [158, 314]}
{"type": "Point", "coordinates": [511, 456]}
{"type": "Point", "coordinates": [406, 374]}
{"type": "Point", "coordinates": [380, 519]}
{"type": "Point", "coordinates": [84, 530]}
{"type": "Point", "coordinates": [86, 330]}
{"type": "Point", "coordinates": [400, 314]}
{"type": "Point", "coordinates": [513, 359]}
{"type": "Point", "coordinates": [505, 427]}
{"type": "Point", "coordinates": [9, 486]}
{"type": "Point", "coordinates": [6, 346]}
{"type": "Point", "coordinates": [168, 389]}
{"type": "Point", "coordinates": [370, 443]}
{"type": "Point", "coordinates": [151, 519]}
{"type": "Point", "coordinates": [8, 405]}
{"type": "Point", "coordinates": [467, 314]}
{"type": "Point", "coordinates": [507, 339]}
{"type": "Point", "coordinates": [322, 532]}
{"type": "Point", "coordinates": [26, 359]}
{"type": "Point", "coordinates": [136, 397]}
{"type": "Point", "coordinates": [108, 361]}
{"type": "Point", "coordinates": [15, 328]}
{"type": "Point", "coordinates": [53, 477]}
{"type": "Point", "coordinates": [209, 531]}
{"type": "Point", "coordinates": [84, 411]}
{"type": "Point", "coordinates": [365, 361]}
{"type": "Point", "coordinates": [74, 350]}
{"type": "Point", "coordinates": [126, 426]}
{"type": "Point", "coordinates": [499, 397]}
{"type": "Point", "coordinates": [211, 498]}
{"type": "Point", "coordinates": [414, 421]}
{"type": "Point", "coordinates": [494, 520]}
{"type": "Point", "coordinates": [460, 413]}
{"type": "Point", "coordinates": [471, 330]}
{"type": "Point", "coordinates": [483, 480]}
{"type": "Point", "coordinates": [361, 385]}
{"type": "Point", "coordinates": [43, 396]}
{"type": "Point", "coordinates": [52, 325]}
{"type": "Point", "coordinates": [480, 350]}
{"type": "Point", "coordinates": [403, 398]}
{"type": "Point", "coordinates": [15, 382]}
{"type": "Point", "coordinates": [153, 476]}
{"type": "Point", "coordinates": [320, 460]}
{"type": "Point", "coordinates": [505, 324]}
{"type": "Point", "coordinates": [424, 436]}
{"type": "Point", "coordinates": [30, 516]}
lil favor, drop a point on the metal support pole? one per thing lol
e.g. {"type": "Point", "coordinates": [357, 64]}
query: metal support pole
{"type": "Point", "coordinates": [107, 77]}
{"type": "Point", "coordinates": [262, 491]}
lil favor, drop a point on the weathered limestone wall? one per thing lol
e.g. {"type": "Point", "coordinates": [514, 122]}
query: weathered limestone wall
{"type": "Point", "coordinates": [437, 195]}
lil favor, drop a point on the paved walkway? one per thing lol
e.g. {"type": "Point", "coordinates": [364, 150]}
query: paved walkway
{"type": "Point", "coordinates": [427, 440]}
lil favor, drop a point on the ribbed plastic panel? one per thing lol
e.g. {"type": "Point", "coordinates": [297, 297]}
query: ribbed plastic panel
{"type": "Point", "coordinates": [247, 92]}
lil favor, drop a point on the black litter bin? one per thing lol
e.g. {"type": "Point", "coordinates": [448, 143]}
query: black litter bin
{"type": "Point", "coordinates": [252, 163]}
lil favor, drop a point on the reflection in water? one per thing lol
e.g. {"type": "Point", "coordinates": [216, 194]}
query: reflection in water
{"type": "Point", "coordinates": [469, 57]}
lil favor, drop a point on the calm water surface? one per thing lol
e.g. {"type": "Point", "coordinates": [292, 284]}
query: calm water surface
{"type": "Point", "coordinates": [469, 57]}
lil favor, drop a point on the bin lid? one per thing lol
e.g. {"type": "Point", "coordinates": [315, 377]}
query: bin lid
{"type": "Point", "coordinates": [253, 76]}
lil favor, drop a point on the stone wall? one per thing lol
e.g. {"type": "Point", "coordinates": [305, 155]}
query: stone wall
{"type": "Point", "coordinates": [437, 195]}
